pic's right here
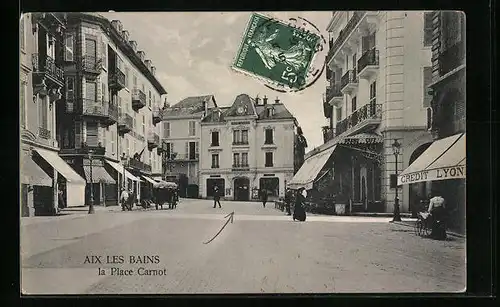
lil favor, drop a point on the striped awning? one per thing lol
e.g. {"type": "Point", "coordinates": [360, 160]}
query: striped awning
{"type": "Point", "coordinates": [149, 180]}
{"type": "Point", "coordinates": [99, 174]}
{"type": "Point", "coordinates": [119, 168]}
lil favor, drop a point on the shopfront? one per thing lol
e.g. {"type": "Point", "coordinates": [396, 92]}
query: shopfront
{"type": "Point", "coordinates": [131, 182]}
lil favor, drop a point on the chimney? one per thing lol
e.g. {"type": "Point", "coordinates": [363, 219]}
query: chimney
{"type": "Point", "coordinates": [148, 64]}
{"type": "Point", "coordinates": [141, 55]}
{"type": "Point", "coordinates": [265, 100]}
{"type": "Point", "coordinates": [257, 99]}
{"type": "Point", "coordinates": [125, 35]}
{"type": "Point", "coordinates": [117, 25]}
{"type": "Point", "coordinates": [277, 100]}
{"type": "Point", "coordinates": [134, 45]}
{"type": "Point", "coordinates": [153, 70]}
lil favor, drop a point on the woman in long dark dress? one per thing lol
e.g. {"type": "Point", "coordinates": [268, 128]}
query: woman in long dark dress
{"type": "Point", "coordinates": [299, 212]}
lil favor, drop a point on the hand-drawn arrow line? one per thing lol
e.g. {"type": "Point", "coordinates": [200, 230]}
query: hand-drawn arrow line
{"type": "Point", "coordinates": [230, 215]}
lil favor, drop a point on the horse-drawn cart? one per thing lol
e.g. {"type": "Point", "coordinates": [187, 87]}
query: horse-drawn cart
{"type": "Point", "coordinates": [165, 193]}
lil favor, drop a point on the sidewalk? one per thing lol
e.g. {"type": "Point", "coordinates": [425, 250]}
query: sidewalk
{"type": "Point", "coordinates": [410, 222]}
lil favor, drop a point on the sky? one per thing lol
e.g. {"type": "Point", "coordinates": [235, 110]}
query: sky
{"type": "Point", "coordinates": [193, 53]}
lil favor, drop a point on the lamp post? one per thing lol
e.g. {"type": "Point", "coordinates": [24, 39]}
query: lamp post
{"type": "Point", "coordinates": [91, 207]}
{"type": "Point", "coordinates": [396, 147]}
{"type": "Point", "coordinates": [124, 160]}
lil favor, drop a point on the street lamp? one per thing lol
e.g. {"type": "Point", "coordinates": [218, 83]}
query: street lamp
{"type": "Point", "coordinates": [91, 207]}
{"type": "Point", "coordinates": [396, 148]}
{"type": "Point", "coordinates": [124, 160]}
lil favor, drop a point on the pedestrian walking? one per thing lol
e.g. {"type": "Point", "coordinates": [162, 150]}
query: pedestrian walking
{"type": "Point", "coordinates": [217, 196]}
{"type": "Point", "coordinates": [60, 195]}
{"type": "Point", "coordinates": [263, 197]}
{"type": "Point", "coordinates": [299, 213]}
{"type": "Point", "coordinates": [124, 199]}
{"type": "Point", "coordinates": [288, 201]}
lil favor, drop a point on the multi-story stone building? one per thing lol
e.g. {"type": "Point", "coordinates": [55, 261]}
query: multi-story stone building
{"type": "Point", "coordinates": [181, 141]}
{"type": "Point", "coordinates": [43, 172]}
{"type": "Point", "coordinates": [443, 164]}
{"type": "Point", "coordinates": [111, 112]}
{"type": "Point", "coordinates": [378, 68]}
{"type": "Point", "coordinates": [247, 147]}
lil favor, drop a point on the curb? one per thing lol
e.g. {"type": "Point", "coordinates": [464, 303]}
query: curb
{"type": "Point", "coordinates": [451, 233]}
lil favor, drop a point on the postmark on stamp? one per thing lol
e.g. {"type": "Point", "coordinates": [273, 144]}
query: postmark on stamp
{"type": "Point", "coordinates": [282, 54]}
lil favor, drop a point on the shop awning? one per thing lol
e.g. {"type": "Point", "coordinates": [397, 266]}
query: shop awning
{"type": "Point", "coordinates": [361, 138]}
{"type": "Point", "coordinates": [119, 168]}
{"type": "Point", "coordinates": [149, 180]}
{"type": "Point", "coordinates": [99, 174]}
{"type": "Point", "coordinates": [60, 166]}
{"type": "Point", "coordinates": [444, 159]}
{"type": "Point", "coordinates": [308, 172]}
{"type": "Point", "coordinates": [32, 174]}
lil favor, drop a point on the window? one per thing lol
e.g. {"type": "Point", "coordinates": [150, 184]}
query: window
{"type": "Point", "coordinates": [215, 138]}
{"type": "Point", "coordinates": [144, 125]}
{"type": "Point", "coordinates": [368, 42]}
{"type": "Point", "coordinates": [104, 137]}
{"type": "Point", "coordinates": [353, 104]}
{"type": "Point", "coordinates": [215, 160]}
{"type": "Point", "coordinates": [236, 137]}
{"type": "Point", "coordinates": [244, 159]}
{"type": "Point", "coordinates": [269, 159]}
{"type": "Point", "coordinates": [104, 61]}
{"type": "Point", "coordinates": [149, 99]}
{"type": "Point", "coordinates": [427, 80]}
{"type": "Point", "coordinates": [354, 63]}
{"type": "Point", "coordinates": [269, 136]}
{"type": "Point", "coordinates": [192, 128]}
{"type": "Point", "coordinates": [113, 136]}
{"type": "Point", "coordinates": [168, 150]}
{"type": "Point", "coordinates": [373, 97]}
{"type": "Point", "coordinates": [339, 114]}
{"type": "Point", "coordinates": [127, 77]}
{"type": "Point", "coordinates": [43, 114]}
{"type": "Point", "coordinates": [166, 129]}
{"type": "Point", "coordinates": [244, 136]}
{"type": "Point", "coordinates": [103, 92]}
{"type": "Point", "coordinates": [22, 102]}
{"type": "Point", "coordinates": [427, 29]}
{"type": "Point", "coordinates": [192, 150]}
{"type": "Point", "coordinates": [270, 112]}
{"type": "Point", "coordinates": [134, 79]}
{"type": "Point", "coordinates": [236, 159]}
{"type": "Point", "coordinates": [452, 29]}
{"type": "Point", "coordinates": [22, 35]}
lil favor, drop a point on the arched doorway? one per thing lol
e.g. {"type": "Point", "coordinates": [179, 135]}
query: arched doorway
{"type": "Point", "coordinates": [418, 191]}
{"type": "Point", "coordinates": [242, 189]}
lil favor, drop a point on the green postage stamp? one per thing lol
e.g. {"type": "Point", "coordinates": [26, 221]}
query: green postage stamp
{"type": "Point", "coordinates": [280, 53]}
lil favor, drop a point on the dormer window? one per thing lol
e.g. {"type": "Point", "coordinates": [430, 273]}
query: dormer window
{"type": "Point", "coordinates": [270, 112]}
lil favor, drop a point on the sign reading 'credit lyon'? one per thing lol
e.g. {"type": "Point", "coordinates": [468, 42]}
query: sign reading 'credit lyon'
{"type": "Point", "coordinates": [452, 172]}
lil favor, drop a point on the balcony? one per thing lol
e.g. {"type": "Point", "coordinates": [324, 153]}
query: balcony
{"type": "Point", "coordinates": [349, 82]}
{"type": "Point", "coordinates": [44, 133]}
{"type": "Point", "coordinates": [139, 166]}
{"type": "Point", "coordinates": [368, 64]}
{"type": "Point", "coordinates": [84, 150]}
{"type": "Point", "coordinates": [153, 140]}
{"type": "Point", "coordinates": [112, 117]}
{"type": "Point", "coordinates": [138, 99]}
{"type": "Point", "coordinates": [185, 157]}
{"type": "Point", "coordinates": [125, 123]}
{"type": "Point", "coordinates": [45, 69]}
{"type": "Point", "coordinates": [240, 143]}
{"type": "Point", "coordinates": [328, 133]}
{"type": "Point", "coordinates": [344, 34]}
{"type": "Point", "coordinates": [116, 79]}
{"type": "Point", "coordinates": [157, 116]}
{"type": "Point", "coordinates": [241, 167]}
{"type": "Point", "coordinates": [451, 58]}
{"type": "Point", "coordinates": [327, 109]}
{"type": "Point", "coordinates": [333, 95]}
{"type": "Point", "coordinates": [91, 65]}
{"type": "Point", "coordinates": [364, 119]}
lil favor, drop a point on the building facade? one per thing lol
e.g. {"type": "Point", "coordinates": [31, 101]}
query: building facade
{"type": "Point", "coordinates": [111, 111]}
{"type": "Point", "coordinates": [449, 101]}
{"type": "Point", "coordinates": [378, 69]}
{"type": "Point", "coordinates": [247, 147]}
{"type": "Point", "coordinates": [43, 173]}
{"type": "Point", "coordinates": [181, 142]}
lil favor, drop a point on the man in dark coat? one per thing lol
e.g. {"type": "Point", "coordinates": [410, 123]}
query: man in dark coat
{"type": "Point", "coordinates": [217, 196]}
{"type": "Point", "coordinates": [263, 197]}
{"type": "Point", "coordinates": [299, 212]}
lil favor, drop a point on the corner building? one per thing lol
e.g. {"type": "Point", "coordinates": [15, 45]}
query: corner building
{"type": "Point", "coordinates": [110, 115]}
{"type": "Point", "coordinates": [378, 69]}
{"type": "Point", "coordinates": [247, 147]}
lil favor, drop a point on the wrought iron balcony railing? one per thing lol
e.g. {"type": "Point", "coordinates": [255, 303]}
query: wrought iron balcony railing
{"type": "Point", "coordinates": [241, 143]}
{"type": "Point", "coordinates": [138, 99]}
{"type": "Point", "coordinates": [91, 107]}
{"type": "Point", "coordinates": [367, 112]}
{"type": "Point", "coordinates": [157, 115]}
{"type": "Point", "coordinates": [153, 139]}
{"type": "Point", "coordinates": [125, 122]}
{"type": "Point", "coordinates": [348, 77]}
{"type": "Point", "coordinates": [139, 165]}
{"type": "Point", "coordinates": [333, 91]}
{"type": "Point", "coordinates": [116, 79]}
{"type": "Point", "coordinates": [451, 58]}
{"type": "Point", "coordinates": [369, 58]}
{"type": "Point", "coordinates": [91, 64]}
{"type": "Point", "coordinates": [328, 133]}
{"type": "Point", "coordinates": [241, 165]}
{"type": "Point", "coordinates": [44, 133]}
{"type": "Point", "coordinates": [112, 113]}
{"type": "Point", "coordinates": [46, 65]}
{"type": "Point", "coordinates": [344, 33]}
{"type": "Point", "coordinates": [186, 157]}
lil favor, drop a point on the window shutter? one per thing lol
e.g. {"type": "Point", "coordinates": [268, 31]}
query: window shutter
{"type": "Point", "coordinates": [427, 81]}
{"type": "Point", "coordinates": [92, 134]}
{"type": "Point", "coordinates": [103, 54]}
{"type": "Point", "coordinates": [187, 149]}
{"type": "Point", "coordinates": [197, 147]}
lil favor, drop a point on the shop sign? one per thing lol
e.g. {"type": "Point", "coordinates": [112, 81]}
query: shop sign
{"type": "Point", "coordinates": [355, 141]}
{"type": "Point", "coordinates": [443, 173]}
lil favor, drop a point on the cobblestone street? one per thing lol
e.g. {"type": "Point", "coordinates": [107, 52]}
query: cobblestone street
{"type": "Point", "coordinates": [263, 251]}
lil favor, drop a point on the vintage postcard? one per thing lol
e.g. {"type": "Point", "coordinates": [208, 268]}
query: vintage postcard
{"type": "Point", "coordinates": [242, 152]}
